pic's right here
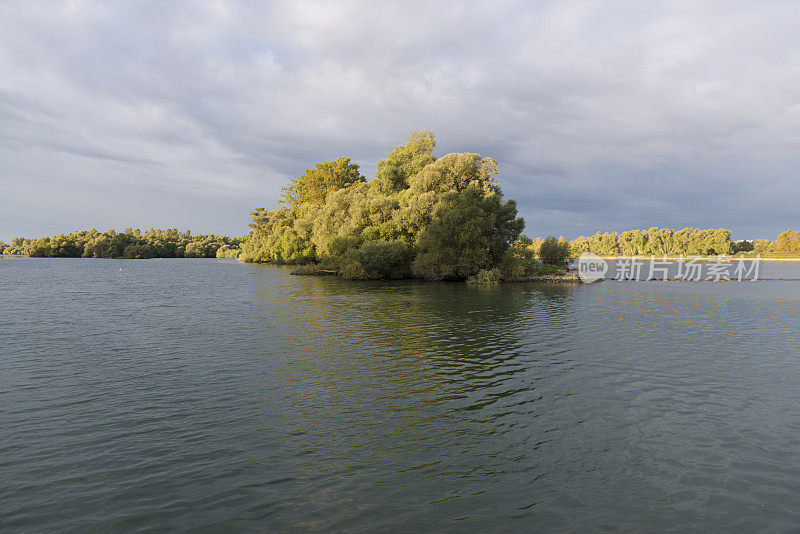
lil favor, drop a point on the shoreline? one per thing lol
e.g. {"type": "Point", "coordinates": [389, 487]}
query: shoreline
{"type": "Point", "coordinates": [569, 277]}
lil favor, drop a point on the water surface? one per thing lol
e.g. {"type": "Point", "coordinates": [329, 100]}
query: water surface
{"type": "Point", "coordinates": [153, 394]}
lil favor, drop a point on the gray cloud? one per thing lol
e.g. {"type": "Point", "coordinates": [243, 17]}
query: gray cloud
{"type": "Point", "coordinates": [602, 115]}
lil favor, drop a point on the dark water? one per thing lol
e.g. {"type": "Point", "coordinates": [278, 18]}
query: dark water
{"type": "Point", "coordinates": [210, 394]}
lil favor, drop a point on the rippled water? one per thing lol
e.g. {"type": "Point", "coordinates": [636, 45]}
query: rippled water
{"type": "Point", "coordinates": [209, 393]}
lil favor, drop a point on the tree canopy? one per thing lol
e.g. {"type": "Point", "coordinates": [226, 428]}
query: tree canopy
{"type": "Point", "coordinates": [431, 218]}
{"type": "Point", "coordinates": [787, 243]}
{"type": "Point", "coordinates": [656, 241]}
{"type": "Point", "coordinates": [405, 161]}
{"type": "Point", "coordinates": [686, 242]}
{"type": "Point", "coordinates": [129, 243]}
{"type": "Point", "coordinates": [314, 185]}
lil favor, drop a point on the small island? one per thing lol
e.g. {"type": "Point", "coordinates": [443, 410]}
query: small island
{"type": "Point", "coordinates": [420, 217]}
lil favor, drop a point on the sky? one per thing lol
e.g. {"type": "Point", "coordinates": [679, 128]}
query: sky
{"type": "Point", "coordinates": [602, 115]}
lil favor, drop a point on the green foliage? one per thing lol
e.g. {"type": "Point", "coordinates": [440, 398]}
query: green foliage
{"type": "Point", "coordinates": [761, 246]}
{"type": "Point", "coordinates": [357, 214]}
{"type": "Point", "coordinates": [130, 243]}
{"type": "Point", "coordinates": [192, 250]}
{"type": "Point", "coordinates": [339, 246]}
{"type": "Point", "coordinates": [656, 242]}
{"type": "Point", "coordinates": [519, 261]}
{"type": "Point", "coordinates": [554, 251]}
{"type": "Point", "coordinates": [227, 251]}
{"type": "Point", "coordinates": [543, 269]}
{"type": "Point", "coordinates": [600, 244]}
{"type": "Point", "coordinates": [377, 260]}
{"type": "Point", "coordinates": [455, 172]}
{"type": "Point", "coordinates": [488, 277]}
{"type": "Point", "coordinates": [450, 210]}
{"type": "Point", "coordinates": [313, 186]}
{"type": "Point", "coordinates": [470, 231]}
{"type": "Point", "coordinates": [273, 238]}
{"type": "Point", "coordinates": [787, 243]}
{"type": "Point", "coordinates": [405, 161]}
{"type": "Point", "coordinates": [141, 252]}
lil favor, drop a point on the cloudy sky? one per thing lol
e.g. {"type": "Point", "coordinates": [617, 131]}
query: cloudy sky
{"type": "Point", "coordinates": [602, 115]}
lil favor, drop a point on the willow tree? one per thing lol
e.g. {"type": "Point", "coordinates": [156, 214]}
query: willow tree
{"type": "Point", "coordinates": [445, 217]}
{"type": "Point", "coordinates": [787, 243]}
{"type": "Point", "coordinates": [405, 161]}
{"type": "Point", "coordinates": [314, 185]}
{"type": "Point", "coordinates": [471, 230]}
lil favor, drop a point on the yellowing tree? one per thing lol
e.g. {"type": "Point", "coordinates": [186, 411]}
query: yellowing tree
{"type": "Point", "coordinates": [313, 186]}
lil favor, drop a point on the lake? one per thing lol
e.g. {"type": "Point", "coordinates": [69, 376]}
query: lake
{"type": "Point", "coordinates": [178, 394]}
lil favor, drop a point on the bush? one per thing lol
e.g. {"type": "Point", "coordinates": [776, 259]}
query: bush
{"type": "Point", "coordinates": [542, 269]}
{"type": "Point", "coordinates": [194, 250]}
{"type": "Point", "coordinates": [377, 260]}
{"type": "Point", "coordinates": [339, 246]}
{"type": "Point", "coordinates": [471, 231]}
{"type": "Point", "coordinates": [519, 261]}
{"type": "Point", "coordinates": [226, 251]}
{"type": "Point", "coordinates": [486, 277]}
{"type": "Point", "coordinates": [137, 252]}
{"type": "Point", "coordinates": [553, 251]}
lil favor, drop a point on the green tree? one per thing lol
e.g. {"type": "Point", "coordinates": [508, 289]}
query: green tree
{"type": "Point", "coordinates": [554, 252]}
{"type": "Point", "coordinates": [762, 245]}
{"type": "Point", "coordinates": [313, 186]}
{"type": "Point", "coordinates": [405, 161]}
{"type": "Point", "coordinates": [787, 243]}
{"type": "Point", "coordinates": [471, 230]}
{"type": "Point", "coordinates": [377, 260]}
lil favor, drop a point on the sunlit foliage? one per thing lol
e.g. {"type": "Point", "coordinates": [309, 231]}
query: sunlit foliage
{"type": "Point", "coordinates": [130, 243]}
{"type": "Point", "coordinates": [554, 251]}
{"type": "Point", "coordinates": [470, 231]}
{"type": "Point", "coordinates": [432, 218]}
{"type": "Point", "coordinates": [405, 161]}
{"type": "Point", "coordinates": [787, 243]}
{"type": "Point", "coordinates": [313, 186]}
{"type": "Point", "coordinates": [656, 241]}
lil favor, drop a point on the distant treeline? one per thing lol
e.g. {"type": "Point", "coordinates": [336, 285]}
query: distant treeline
{"type": "Point", "coordinates": [153, 243]}
{"type": "Point", "coordinates": [686, 242]}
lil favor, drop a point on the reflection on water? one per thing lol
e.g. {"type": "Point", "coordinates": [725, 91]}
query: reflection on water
{"type": "Point", "coordinates": [200, 392]}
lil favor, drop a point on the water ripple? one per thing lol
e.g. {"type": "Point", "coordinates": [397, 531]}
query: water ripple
{"type": "Point", "coordinates": [201, 393]}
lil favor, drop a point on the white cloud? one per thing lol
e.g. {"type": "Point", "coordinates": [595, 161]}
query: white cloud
{"type": "Point", "coordinates": [602, 115]}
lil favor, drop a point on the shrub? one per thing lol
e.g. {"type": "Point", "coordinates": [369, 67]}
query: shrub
{"type": "Point", "coordinates": [519, 261]}
{"type": "Point", "coordinates": [138, 252]}
{"type": "Point", "coordinates": [471, 231]}
{"type": "Point", "coordinates": [542, 269]}
{"type": "Point", "coordinates": [553, 251]}
{"type": "Point", "coordinates": [192, 250]}
{"type": "Point", "coordinates": [377, 260]}
{"type": "Point", "coordinates": [226, 251]}
{"type": "Point", "coordinates": [338, 246]}
{"type": "Point", "coordinates": [486, 277]}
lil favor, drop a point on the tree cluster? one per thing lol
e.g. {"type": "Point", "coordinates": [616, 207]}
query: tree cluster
{"type": "Point", "coordinates": [686, 242]}
{"type": "Point", "coordinates": [153, 243]}
{"type": "Point", "coordinates": [787, 243]}
{"type": "Point", "coordinates": [437, 219]}
{"type": "Point", "coordinates": [656, 241]}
